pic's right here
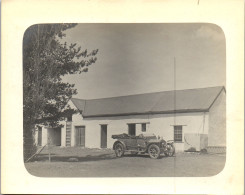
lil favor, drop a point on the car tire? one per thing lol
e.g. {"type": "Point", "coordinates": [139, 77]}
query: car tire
{"type": "Point", "coordinates": [154, 151]}
{"type": "Point", "coordinates": [119, 150]}
{"type": "Point", "coordinates": [170, 151]}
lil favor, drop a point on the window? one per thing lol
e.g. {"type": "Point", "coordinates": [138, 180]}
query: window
{"type": "Point", "coordinates": [143, 127]}
{"type": "Point", "coordinates": [178, 133]}
{"type": "Point", "coordinates": [69, 118]}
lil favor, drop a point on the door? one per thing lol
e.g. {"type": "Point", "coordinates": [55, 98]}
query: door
{"type": "Point", "coordinates": [131, 129]}
{"type": "Point", "coordinates": [103, 142]}
{"type": "Point", "coordinates": [39, 136]}
{"type": "Point", "coordinates": [132, 141]}
{"type": "Point", "coordinates": [141, 143]}
{"type": "Point", "coordinates": [80, 136]}
{"type": "Point", "coordinates": [57, 136]}
{"type": "Point", "coordinates": [54, 136]}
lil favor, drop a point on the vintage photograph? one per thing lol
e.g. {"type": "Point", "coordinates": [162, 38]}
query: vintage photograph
{"type": "Point", "coordinates": [124, 100]}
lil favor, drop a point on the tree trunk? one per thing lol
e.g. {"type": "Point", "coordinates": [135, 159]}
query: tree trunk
{"type": "Point", "coordinates": [29, 145]}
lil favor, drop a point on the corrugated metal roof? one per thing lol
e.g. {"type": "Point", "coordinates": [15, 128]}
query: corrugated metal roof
{"type": "Point", "coordinates": [79, 103]}
{"type": "Point", "coordinates": [188, 100]}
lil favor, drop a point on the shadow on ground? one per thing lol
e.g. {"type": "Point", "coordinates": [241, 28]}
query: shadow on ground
{"type": "Point", "coordinates": [142, 156]}
{"type": "Point", "coordinates": [74, 158]}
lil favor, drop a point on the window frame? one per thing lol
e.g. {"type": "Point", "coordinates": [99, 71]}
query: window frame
{"type": "Point", "coordinates": [143, 124]}
{"type": "Point", "coordinates": [178, 133]}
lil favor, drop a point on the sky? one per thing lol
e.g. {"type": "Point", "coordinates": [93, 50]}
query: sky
{"type": "Point", "coordinates": [139, 58]}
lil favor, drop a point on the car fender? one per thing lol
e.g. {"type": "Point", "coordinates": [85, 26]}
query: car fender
{"type": "Point", "coordinates": [154, 141]}
{"type": "Point", "coordinates": [151, 143]}
{"type": "Point", "coordinates": [170, 142]}
{"type": "Point", "coordinates": [119, 141]}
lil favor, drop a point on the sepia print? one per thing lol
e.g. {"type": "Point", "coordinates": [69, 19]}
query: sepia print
{"type": "Point", "coordinates": [124, 100]}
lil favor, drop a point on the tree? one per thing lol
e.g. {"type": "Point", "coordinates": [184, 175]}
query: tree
{"type": "Point", "coordinates": [45, 60]}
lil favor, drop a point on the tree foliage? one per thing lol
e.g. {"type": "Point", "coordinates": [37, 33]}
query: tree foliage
{"type": "Point", "coordinates": [45, 60]}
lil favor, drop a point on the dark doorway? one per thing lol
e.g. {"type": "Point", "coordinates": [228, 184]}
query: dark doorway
{"type": "Point", "coordinates": [39, 136]}
{"type": "Point", "coordinates": [80, 136]}
{"type": "Point", "coordinates": [131, 129]}
{"type": "Point", "coordinates": [57, 133]}
{"type": "Point", "coordinates": [103, 142]}
{"type": "Point", "coordinates": [54, 136]}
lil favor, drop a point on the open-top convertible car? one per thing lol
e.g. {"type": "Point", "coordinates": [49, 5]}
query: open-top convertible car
{"type": "Point", "coordinates": [142, 143]}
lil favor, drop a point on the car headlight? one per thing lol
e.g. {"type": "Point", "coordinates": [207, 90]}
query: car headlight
{"type": "Point", "coordinates": [163, 144]}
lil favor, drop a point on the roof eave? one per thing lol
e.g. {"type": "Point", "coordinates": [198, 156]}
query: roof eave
{"type": "Point", "coordinates": [148, 113]}
{"type": "Point", "coordinates": [223, 88]}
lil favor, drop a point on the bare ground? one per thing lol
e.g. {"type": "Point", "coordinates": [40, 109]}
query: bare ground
{"type": "Point", "coordinates": [103, 163]}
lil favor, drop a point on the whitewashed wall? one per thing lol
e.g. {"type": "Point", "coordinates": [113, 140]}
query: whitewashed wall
{"type": "Point", "coordinates": [191, 123]}
{"type": "Point", "coordinates": [217, 123]}
{"type": "Point", "coordinates": [44, 136]}
{"type": "Point", "coordinates": [159, 124]}
{"type": "Point", "coordinates": [36, 136]}
{"type": "Point", "coordinates": [63, 134]}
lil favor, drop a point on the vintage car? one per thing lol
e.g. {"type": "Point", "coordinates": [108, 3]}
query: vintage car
{"type": "Point", "coordinates": [142, 143]}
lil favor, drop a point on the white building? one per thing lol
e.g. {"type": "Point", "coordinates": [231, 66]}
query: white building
{"type": "Point", "coordinates": [193, 118]}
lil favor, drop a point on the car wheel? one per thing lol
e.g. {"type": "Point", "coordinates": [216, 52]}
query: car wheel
{"type": "Point", "coordinates": [170, 150]}
{"type": "Point", "coordinates": [154, 151]}
{"type": "Point", "coordinates": [119, 150]}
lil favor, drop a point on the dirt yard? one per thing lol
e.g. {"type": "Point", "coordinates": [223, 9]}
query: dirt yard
{"type": "Point", "coordinates": [80, 162]}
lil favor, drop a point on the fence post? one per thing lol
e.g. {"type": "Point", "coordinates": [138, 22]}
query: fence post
{"type": "Point", "coordinates": [49, 156]}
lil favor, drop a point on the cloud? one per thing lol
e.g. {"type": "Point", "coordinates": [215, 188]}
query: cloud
{"type": "Point", "coordinates": [210, 32]}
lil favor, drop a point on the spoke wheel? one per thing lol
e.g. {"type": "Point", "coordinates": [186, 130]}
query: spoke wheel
{"type": "Point", "coordinates": [119, 150]}
{"type": "Point", "coordinates": [154, 151]}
